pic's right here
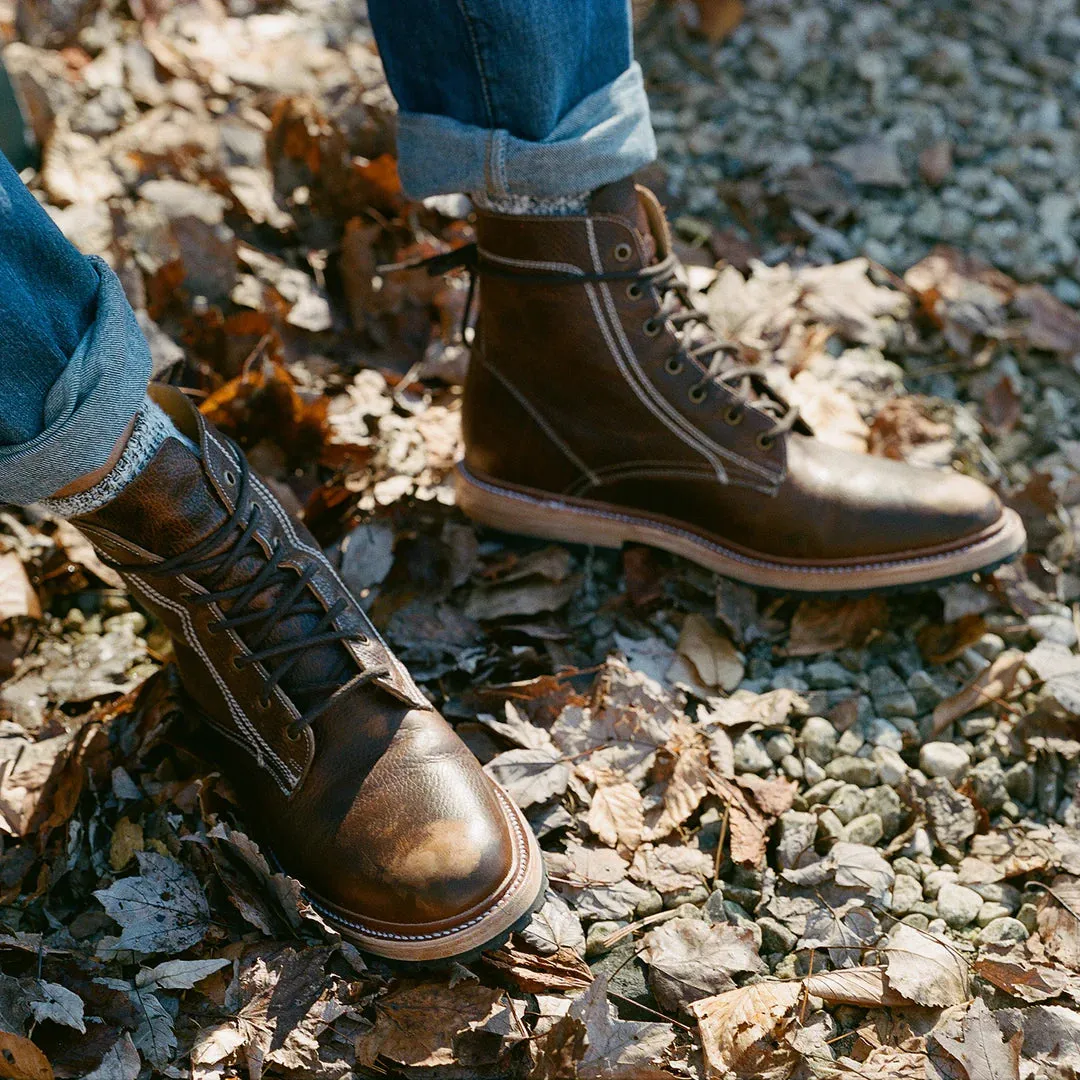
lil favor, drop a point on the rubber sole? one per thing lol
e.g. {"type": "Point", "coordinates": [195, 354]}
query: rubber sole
{"type": "Point", "coordinates": [520, 894]}
{"type": "Point", "coordinates": [578, 521]}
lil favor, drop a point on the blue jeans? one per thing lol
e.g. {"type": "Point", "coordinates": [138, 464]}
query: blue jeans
{"type": "Point", "coordinates": [513, 97]}
{"type": "Point", "coordinates": [505, 97]}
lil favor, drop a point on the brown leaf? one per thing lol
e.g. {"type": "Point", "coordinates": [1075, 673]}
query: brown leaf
{"type": "Point", "coordinates": [540, 974]}
{"type": "Point", "coordinates": [996, 856]}
{"type": "Point", "coordinates": [1022, 979]}
{"type": "Point", "coordinates": [941, 642]}
{"type": "Point", "coordinates": [866, 986]}
{"type": "Point", "coordinates": [689, 959]}
{"type": "Point", "coordinates": [904, 430]}
{"type": "Point", "coordinates": [825, 625]}
{"type": "Point", "coordinates": [417, 1023]}
{"type": "Point", "coordinates": [17, 595]}
{"type": "Point", "coordinates": [1001, 407]}
{"type": "Point", "coordinates": [20, 1059]}
{"type": "Point", "coordinates": [1059, 921]}
{"type": "Point", "coordinates": [686, 787]}
{"type": "Point", "coordinates": [991, 684]}
{"type": "Point", "coordinates": [718, 18]}
{"type": "Point", "coordinates": [714, 663]}
{"type": "Point", "coordinates": [741, 1031]}
{"type": "Point", "coordinates": [753, 805]}
{"type": "Point", "coordinates": [617, 814]}
{"type": "Point", "coordinates": [924, 969]}
{"type": "Point", "coordinates": [982, 1051]}
{"type": "Point", "coordinates": [1051, 325]}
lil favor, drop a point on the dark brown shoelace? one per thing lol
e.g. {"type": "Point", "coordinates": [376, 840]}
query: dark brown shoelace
{"type": "Point", "coordinates": [714, 356]}
{"type": "Point", "coordinates": [216, 555]}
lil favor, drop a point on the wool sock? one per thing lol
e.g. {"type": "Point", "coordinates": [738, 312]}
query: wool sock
{"type": "Point", "coordinates": [152, 427]}
{"type": "Point", "coordinates": [559, 206]}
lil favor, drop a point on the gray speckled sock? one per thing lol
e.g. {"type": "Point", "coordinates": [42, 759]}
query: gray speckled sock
{"type": "Point", "coordinates": [152, 428]}
{"type": "Point", "coordinates": [560, 206]}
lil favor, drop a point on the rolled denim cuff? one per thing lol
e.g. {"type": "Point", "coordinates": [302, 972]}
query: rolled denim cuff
{"type": "Point", "coordinates": [604, 138]}
{"type": "Point", "coordinates": [89, 406]}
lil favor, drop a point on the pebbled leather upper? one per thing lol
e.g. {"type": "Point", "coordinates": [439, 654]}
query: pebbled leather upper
{"type": "Point", "coordinates": [377, 805]}
{"type": "Point", "coordinates": [569, 393]}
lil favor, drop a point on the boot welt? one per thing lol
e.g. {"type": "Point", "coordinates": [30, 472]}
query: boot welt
{"type": "Point", "coordinates": [485, 927]}
{"type": "Point", "coordinates": [580, 521]}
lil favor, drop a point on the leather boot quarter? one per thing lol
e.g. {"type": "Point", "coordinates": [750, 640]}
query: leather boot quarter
{"type": "Point", "coordinates": [347, 773]}
{"type": "Point", "coordinates": [601, 408]}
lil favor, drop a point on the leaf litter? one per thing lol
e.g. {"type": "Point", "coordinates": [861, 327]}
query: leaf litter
{"type": "Point", "coordinates": [762, 861]}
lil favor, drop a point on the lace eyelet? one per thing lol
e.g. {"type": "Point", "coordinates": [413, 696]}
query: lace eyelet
{"type": "Point", "coordinates": [236, 662]}
{"type": "Point", "coordinates": [673, 365]}
{"type": "Point", "coordinates": [765, 441]}
{"type": "Point", "coordinates": [633, 291]}
{"type": "Point", "coordinates": [734, 415]}
{"type": "Point", "coordinates": [650, 327]}
{"type": "Point", "coordinates": [697, 394]}
{"type": "Point", "coordinates": [230, 477]}
{"type": "Point", "coordinates": [293, 733]}
{"type": "Point", "coordinates": [623, 252]}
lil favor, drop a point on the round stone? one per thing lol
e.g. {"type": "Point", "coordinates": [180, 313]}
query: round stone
{"type": "Point", "coordinates": [958, 905]}
{"type": "Point", "coordinates": [906, 893]}
{"type": "Point", "coordinates": [944, 759]}
{"type": "Point", "coordinates": [818, 739]}
{"type": "Point", "coordinates": [865, 829]}
{"type": "Point", "coordinates": [1003, 930]}
{"type": "Point", "coordinates": [990, 911]}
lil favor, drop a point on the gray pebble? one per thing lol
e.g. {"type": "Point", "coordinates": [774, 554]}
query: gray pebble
{"type": "Point", "coordinates": [990, 911]}
{"type": "Point", "coordinates": [1003, 930]}
{"type": "Point", "coordinates": [847, 803]}
{"type": "Point", "coordinates": [817, 740]}
{"type": "Point", "coordinates": [862, 772]}
{"type": "Point", "coordinates": [596, 934]}
{"type": "Point", "coordinates": [775, 936]}
{"type": "Point", "coordinates": [944, 759]}
{"type": "Point", "coordinates": [1020, 782]}
{"type": "Point", "coordinates": [906, 893]}
{"type": "Point", "coordinates": [958, 905]}
{"type": "Point", "coordinates": [750, 755]}
{"type": "Point", "coordinates": [865, 829]}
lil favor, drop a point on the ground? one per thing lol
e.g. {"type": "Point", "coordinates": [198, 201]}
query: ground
{"type": "Point", "coordinates": [817, 838]}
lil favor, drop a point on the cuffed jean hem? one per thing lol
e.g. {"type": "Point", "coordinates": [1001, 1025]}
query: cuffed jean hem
{"type": "Point", "coordinates": [89, 406]}
{"type": "Point", "coordinates": [604, 138]}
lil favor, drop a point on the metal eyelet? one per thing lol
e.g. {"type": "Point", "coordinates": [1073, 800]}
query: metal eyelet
{"type": "Point", "coordinates": [765, 441]}
{"type": "Point", "coordinates": [734, 415]}
{"type": "Point", "coordinates": [650, 327]}
{"type": "Point", "coordinates": [673, 365]}
{"type": "Point", "coordinates": [633, 291]}
{"type": "Point", "coordinates": [293, 733]}
{"type": "Point", "coordinates": [697, 394]}
{"type": "Point", "coordinates": [623, 252]}
{"type": "Point", "coordinates": [235, 661]}
{"type": "Point", "coordinates": [230, 477]}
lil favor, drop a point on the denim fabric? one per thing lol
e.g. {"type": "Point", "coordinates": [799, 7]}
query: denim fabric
{"type": "Point", "coordinates": [74, 364]}
{"type": "Point", "coordinates": [513, 97]}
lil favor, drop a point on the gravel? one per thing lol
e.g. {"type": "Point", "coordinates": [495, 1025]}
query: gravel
{"type": "Point", "coordinates": [1003, 930]}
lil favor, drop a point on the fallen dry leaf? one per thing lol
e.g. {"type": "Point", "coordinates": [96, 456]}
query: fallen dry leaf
{"type": "Point", "coordinates": [823, 625]}
{"type": "Point", "coordinates": [741, 1031]}
{"type": "Point", "coordinates": [990, 685]}
{"type": "Point", "coordinates": [982, 1051]}
{"type": "Point", "coordinates": [616, 814]}
{"type": "Point", "coordinates": [925, 969]}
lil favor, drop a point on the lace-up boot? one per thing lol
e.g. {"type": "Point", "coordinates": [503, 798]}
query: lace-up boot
{"type": "Point", "coordinates": [351, 778]}
{"type": "Point", "coordinates": [601, 408]}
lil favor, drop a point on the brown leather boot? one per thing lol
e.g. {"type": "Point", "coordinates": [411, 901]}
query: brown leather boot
{"type": "Point", "coordinates": [355, 782]}
{"type": "Point", "coordinates": [601, 409]}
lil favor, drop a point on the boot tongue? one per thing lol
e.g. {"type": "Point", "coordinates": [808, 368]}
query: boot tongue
{"type": "Point", "coordinates": [622, 199]}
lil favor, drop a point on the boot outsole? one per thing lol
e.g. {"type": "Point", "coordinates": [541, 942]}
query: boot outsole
{"type": "Point", "coordinates": [578, 521]}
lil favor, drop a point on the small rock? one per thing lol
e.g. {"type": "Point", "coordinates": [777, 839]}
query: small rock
{"type": "Point", "coordinates": [1049, 627]}
{"type": "Point", "coordinates": [780, 746]}
{"type": "Point", "coordinates": [861, 772]}
{"type": "Point", "coordinates": [1028, 916]}
{"type": "Point", "coordinates": [1002, 930]}
{"type": "Point", "coordinates": [795, 843]}
{"type": "Point", "coordinates": [1000, 892]}
{"type": "Point", "coordinates": [934, 880]}
{"type": "Point", "coordinates": [817, 740]}
{"type": "Point", "coordinates": [988, 782]}
{"type": "Point", "coordinates": [792, 767]}
{"type": "Point", "coordinates": [990, 646]}
{"type": "Point", "coordinates": [652, 903]}
{"type": "Point", "coordinates": [944, 759]}
{"type": "Point", "coordinates": [865, 829]}
{"type": "Point", "coordinates": [1020, 782]}
{"type": "Point", "coordinates": [828, 675]}
{"type": "Point", "coordinates": [906, 893]}
{"type": "Point", "coordinates": [990, 911]}
{"type": "Point", "coordinates": [775, 936]}
{"type": "Point", "coordinates": [812, 771]}
{"type": "Point", "coordinates": [850, 743]}
{"type": "Point", "coordinates": [821, 792]}
{"type": "Point", "coordinates": [713, 909]}
{"type": "Point", "coordinates": [596, 934]}
{"type": "Point", "coordinates": [750, 755]}
{"type": "Point", "coordinates": [936, 162]}
{"type": "Point", "coordinates": [830, 827]}
{"type": "Point", "coordinates": [880, 732]}
{"type": "Point", "coordinates": [891, 697]}
{"type": "Point", "coordinates": [958, 905]}
{"type": "Point", "coordinates": [891, 766]}
{"type": "Point", "coordinates": [916, 919]}
{"type": "Point", "coordinates": [847, 803]}
{"type": "Point", "coordinates": [885, 802]}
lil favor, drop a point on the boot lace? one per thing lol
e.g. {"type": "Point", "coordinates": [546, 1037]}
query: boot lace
{"type": "Point", "coordinates": [698, 341]}
{"type": "Point", "coordinates": [293, 599]}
